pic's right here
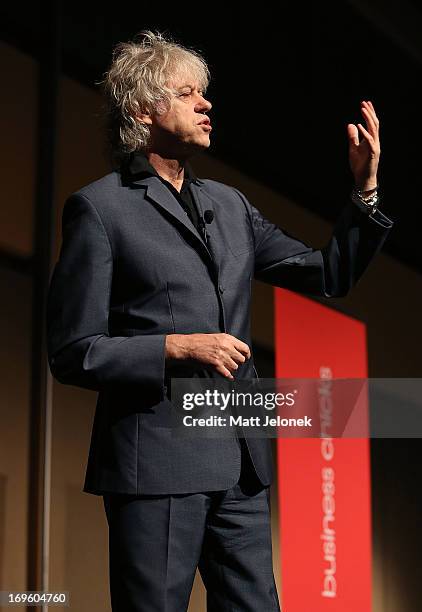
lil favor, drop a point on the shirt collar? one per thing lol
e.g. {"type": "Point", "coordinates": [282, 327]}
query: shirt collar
{"type": "Point", "coordinates": [138, 165]}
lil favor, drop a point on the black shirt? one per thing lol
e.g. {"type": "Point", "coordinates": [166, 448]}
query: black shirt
{"type": "Point", "coordinates": [139, 165]}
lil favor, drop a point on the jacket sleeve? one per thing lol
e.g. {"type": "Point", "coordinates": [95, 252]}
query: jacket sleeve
{"type": "Point", "coordinates": [80, 349]}
{"type": "Point", "coordinates": [284, 261]}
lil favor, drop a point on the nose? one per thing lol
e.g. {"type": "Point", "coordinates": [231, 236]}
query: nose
{"type": "Point", "coordinates": [203, 105]}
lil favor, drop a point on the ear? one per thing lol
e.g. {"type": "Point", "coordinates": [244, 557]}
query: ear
{"type": "Point", "coordinates": [144, 118]}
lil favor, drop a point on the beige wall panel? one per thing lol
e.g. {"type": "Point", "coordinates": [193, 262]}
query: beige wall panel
{"type": "Point", "coordinates": [15, 314]}
{"type": "Point", "coordinates": [82, 155]}
{"type": "Point", "coordinates": [78, 546]}
{"type": "Point", "coordinates": [18, 152]}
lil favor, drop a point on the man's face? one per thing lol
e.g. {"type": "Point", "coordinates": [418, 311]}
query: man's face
{"type": "Point", "coordinates": [184, 128]}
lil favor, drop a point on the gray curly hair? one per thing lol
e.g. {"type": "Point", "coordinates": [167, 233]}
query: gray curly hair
{"type": "Point", "coordinates": [138, 82]}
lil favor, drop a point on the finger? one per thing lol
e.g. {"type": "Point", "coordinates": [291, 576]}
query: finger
{"type": "Point", "coordinates": [366, 134]}
{"type": "Point", "coordinates": [233, 345]}
{"type": "Point", "coordinates": [224, 371]}
{"type": "Point", "coordinates": [370, 121]}
{"type": "Point", "coordinates": [370, 108]}
{"type": "Point", "coordinates": [237, 356]}
{"type": "Point", "coordinates": [242, 347]}
{"type": "Point", "coordinates": [371, 105]}
{"type": "Point", "coordinates": [353, 134]}
{"type": "Point", "coordinates": [229, 363]}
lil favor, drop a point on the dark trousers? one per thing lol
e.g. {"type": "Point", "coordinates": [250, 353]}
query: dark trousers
{"type": "Point", "coordinates": [156, 542]}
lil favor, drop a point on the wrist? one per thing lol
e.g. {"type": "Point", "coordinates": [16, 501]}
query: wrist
{"type": "Point", "coordinates": [367, 187]}
{"type": "Point", "coordinates": [177, 346]}
{"type": "Point", "coordinates": [367, 201]}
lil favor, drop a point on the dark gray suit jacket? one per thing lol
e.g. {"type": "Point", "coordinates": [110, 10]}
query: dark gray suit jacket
{"type": "Point", "coordinates": [133, 268]}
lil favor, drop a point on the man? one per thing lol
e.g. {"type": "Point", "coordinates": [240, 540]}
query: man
{"type": "Point", "coordinates": [153, 281]}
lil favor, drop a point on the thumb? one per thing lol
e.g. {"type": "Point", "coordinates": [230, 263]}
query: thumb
{"type": "Point", "coordinates": [353, 134]}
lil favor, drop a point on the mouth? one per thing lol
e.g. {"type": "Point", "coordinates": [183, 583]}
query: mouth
{"type": "Point", "coordinates": [206, 124]}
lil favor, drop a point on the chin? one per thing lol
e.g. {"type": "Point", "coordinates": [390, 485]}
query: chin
{"type": "Point", "coordinates": [196, 145]}
{"type": "Point", "coordinates": [201, 145]}
{"type": "Point", "coordinates": [206, 143]}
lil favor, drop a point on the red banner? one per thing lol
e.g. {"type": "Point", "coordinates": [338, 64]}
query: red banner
{"type": "Point", "coordinates": [324, 484]}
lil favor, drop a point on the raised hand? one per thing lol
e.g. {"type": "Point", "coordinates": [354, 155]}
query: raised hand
{"type": "Point", "coordinates": [364, 153]}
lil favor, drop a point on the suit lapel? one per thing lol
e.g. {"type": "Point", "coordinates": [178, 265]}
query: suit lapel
{"type": "Point", "coordinates": [160, 195]}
